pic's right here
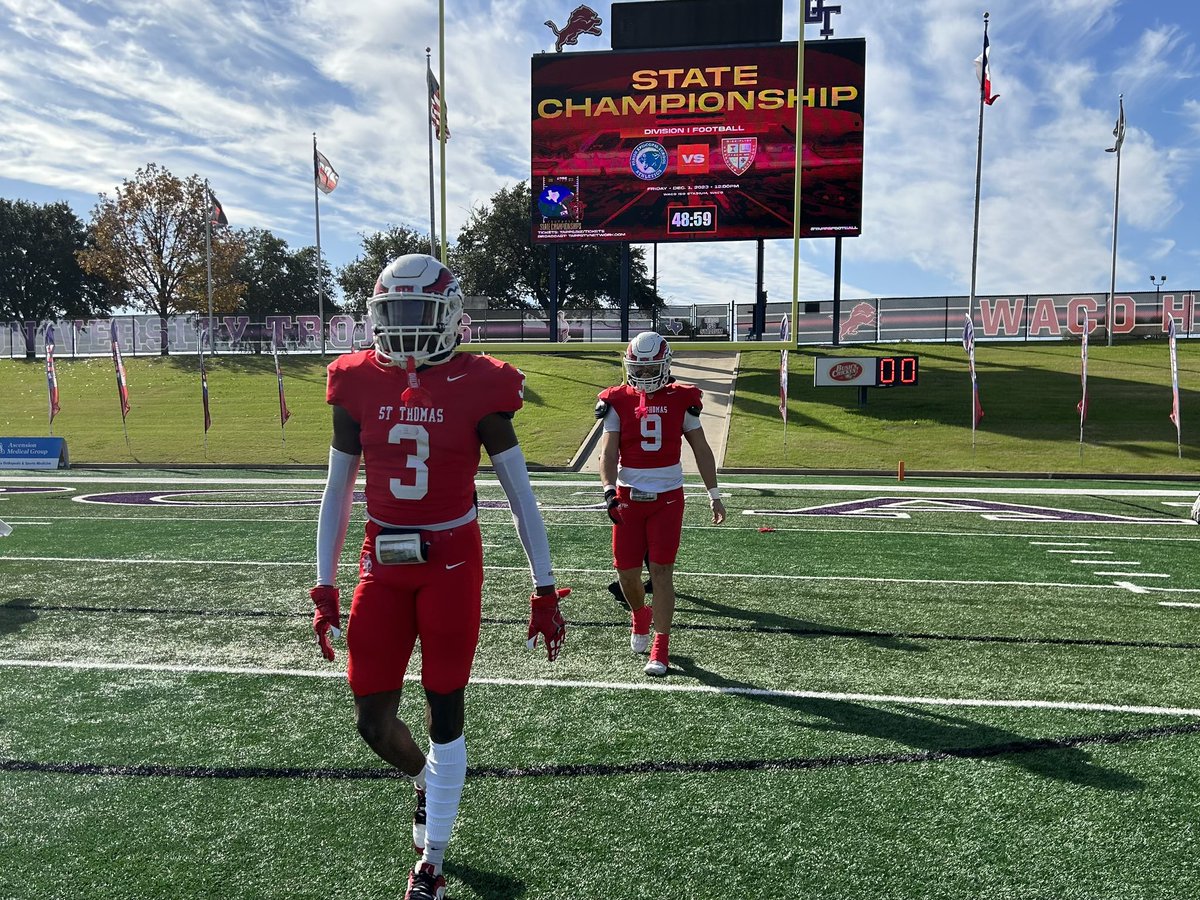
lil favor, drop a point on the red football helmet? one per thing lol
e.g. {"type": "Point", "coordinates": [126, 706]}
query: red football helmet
{"type": "Point", "coordinates": [415, 312]}
{"type": "Point", "coordinates": [648, 362]}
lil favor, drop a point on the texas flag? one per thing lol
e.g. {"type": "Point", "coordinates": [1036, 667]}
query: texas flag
{"type": "Point", "coordinates": [983, 72]}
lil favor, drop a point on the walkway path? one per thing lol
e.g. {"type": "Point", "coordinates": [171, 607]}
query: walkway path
{"type": "Point", "coordinates": [713, 373]}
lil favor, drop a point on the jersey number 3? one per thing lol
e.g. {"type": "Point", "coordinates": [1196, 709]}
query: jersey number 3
{"type": "Point", "coordinates": [416, 437]}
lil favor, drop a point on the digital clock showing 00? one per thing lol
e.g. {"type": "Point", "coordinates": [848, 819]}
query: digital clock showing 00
{"type": "Point", "coordinates": [692, 219]}
{"type": "Point", "coordinates": [896, 371]}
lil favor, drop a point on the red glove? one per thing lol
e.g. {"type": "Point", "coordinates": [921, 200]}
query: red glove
{"type": "Point", "coordinates": [613, 505]}
{"type": "Point", "coordinates": [327, 618]}
{"type": "Point", "coordinates": [546, 619]}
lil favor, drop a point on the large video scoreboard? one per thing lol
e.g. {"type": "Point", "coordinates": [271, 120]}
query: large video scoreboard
{"type": "Point", "coordinates": [696, 144]}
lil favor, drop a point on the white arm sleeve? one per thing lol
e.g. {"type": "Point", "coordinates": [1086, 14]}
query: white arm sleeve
{"type": "Point", "coordinates": [334, 517]}
{"type": "Point", "coordinates": [514, 478]}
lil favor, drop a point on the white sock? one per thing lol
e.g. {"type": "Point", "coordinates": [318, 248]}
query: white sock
{"type": "Point", "coordinates": [445, 773]}
{"type": "Point", "coordinates": [418, 780]}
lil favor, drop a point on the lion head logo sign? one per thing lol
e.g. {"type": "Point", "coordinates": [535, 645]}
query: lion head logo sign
{"type": "Point", "coordinates": [862, 315]}
{"type": "Point", "coordinates": [583, 20]}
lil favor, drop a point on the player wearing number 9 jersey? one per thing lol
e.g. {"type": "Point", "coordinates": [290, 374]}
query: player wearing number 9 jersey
{"type": "Point", "coordinates": [417, 414]}
{"type": "Point", "coordinates": [646, 421]}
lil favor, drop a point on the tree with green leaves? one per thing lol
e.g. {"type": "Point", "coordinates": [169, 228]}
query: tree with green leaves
{"type": "Point", "coordinates": [278, 280]}
{"type": "Point", "coordinates": [149, 239]}
{"type": "Point", "coordinates": [40, 278]}
{"type": "Point", "coordinates": [496, 258]}
{"type": "Point", "coordinates": [357, 279]}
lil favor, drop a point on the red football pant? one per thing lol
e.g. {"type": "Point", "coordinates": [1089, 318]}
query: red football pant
{"type": "Point", "coordinates": [438, 601]}
{"type": "Point", "coordinates": [652, 527]}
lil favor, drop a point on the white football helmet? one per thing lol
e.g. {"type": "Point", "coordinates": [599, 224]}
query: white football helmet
{"type": "Point", "coordinates": [415, 312]}
{"type": "Point", "coordinates": [648, 362]}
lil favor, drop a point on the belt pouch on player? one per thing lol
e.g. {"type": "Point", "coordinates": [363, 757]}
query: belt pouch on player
{"type": "Point", "coordinates": [396, 548]}
{"type": "Point", "coordinates": [642, 496]}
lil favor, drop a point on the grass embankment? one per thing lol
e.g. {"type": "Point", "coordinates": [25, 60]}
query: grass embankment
{"type": "Point", "coordinates": [1028, 391]}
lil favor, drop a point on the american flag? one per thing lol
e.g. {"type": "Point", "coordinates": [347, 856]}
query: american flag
{"type": "Point", "coordinates": [968, 341]}
{"type": "Point", "coordinates": [51, 375]}
{"type": "Point", "coordinates": [284, 413]}
{"type": "Point", "coordinates": [435, 104]}
{"type": "Point", "coordinates": [122, 384]}
{"type": "Point", "coordinates": [324, 172]}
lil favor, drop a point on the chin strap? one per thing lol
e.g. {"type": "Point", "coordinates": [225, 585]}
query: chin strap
{"type": "Point", "coordinates": [414, 394]}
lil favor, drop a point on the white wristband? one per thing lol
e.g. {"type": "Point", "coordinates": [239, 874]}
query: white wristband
{"type": "Point", "coordinates": [714, 493]}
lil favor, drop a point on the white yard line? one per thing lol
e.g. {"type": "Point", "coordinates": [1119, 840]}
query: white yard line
{"type": "Point", "coordinates": [1080, 552]}
{"type": "Point", "coordinates": [730, 487]}
{"type": "Point", "coordinates": [1135, 574]}
{"type": "Point", "coordinates": [1185, 605]}
{"type": "Point", "coordinates": [1111, 562]}
{"type": "Point", "coordinates": [1068, 705]}
{"type": "Point", "coordinates": [607, 573]}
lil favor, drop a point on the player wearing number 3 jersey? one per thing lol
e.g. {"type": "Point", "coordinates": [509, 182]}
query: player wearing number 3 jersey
{"type": "Point", "coordinates": [417, 414]}
{"type": "Point", "coordinates": [646, 421]}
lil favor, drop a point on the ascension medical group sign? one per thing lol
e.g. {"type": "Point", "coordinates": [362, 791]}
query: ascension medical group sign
{"type": "Point", "coordinates": [696, 144]}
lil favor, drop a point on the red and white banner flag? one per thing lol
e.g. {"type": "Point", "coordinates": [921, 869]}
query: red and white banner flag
{"type": "Point", "coordinates": [1174, 381]}
{"type": "Point", "coordinates": [1082, 405]}
{"type": "Point", "coordinates": [119, 365]}
{"type": "Point", "coordinates": [968, 340]}
{"type": "Point", "coordinates": [783, 384]}
{"type": "Point", "coordinates": [284, 413]}
{"type": "Point", "coordinates": [51, 376]}
{"type": "Point", "coordinates": [204, 383]}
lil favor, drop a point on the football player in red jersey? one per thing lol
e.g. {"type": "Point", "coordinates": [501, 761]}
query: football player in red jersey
{"type": "Point", "coordinates": [417, 413]}
{"type": "Point", "coordinates": [645, 423]}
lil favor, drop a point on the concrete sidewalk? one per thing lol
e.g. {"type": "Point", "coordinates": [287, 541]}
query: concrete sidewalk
{"type": "Point", "coordinates": [714, 374]}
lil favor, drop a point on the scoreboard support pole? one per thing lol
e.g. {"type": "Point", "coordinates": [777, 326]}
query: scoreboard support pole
{"type": "Point", "coordinates": [836, 337]}
{"type": "Point", "coordinates": [624, 291]}
{"type": "Point", "coordinates": [795, 341]}
{"type": "Point", "coordinates": [553, 299]}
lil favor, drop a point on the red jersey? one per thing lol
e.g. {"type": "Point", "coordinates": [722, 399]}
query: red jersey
{"type": "Point", "coordinates": [421, 461]}
{"type": "Point", "coordinates": [652, 444]}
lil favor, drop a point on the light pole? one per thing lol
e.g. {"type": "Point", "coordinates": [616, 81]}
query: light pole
{"type": "Point", "coordinates": [1158, 283]}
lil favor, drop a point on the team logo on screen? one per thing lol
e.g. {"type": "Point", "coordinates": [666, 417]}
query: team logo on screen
{"type": "Point", "coordinates": [552, 201]}
{"type": "Point", "coordinates": [693, 159]}
{"type": "Point", "coordinates": [648, 160]}
{"type": "Point", "coordinates": [738, 153]}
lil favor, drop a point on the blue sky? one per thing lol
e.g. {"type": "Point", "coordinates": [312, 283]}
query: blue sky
{"type": "Point", "coordinates": [232, 90]}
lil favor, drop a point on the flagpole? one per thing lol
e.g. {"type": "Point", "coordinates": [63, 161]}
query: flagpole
{"type": "Point", "coordinates": [208, 205]}
{"type": "Point", "coordinates": [443, 117]}
{"type": "Point", "coordinates": [1112, 282]}
{"type": "Point", "coordinates": [317, 216]}
{"type": "Point", "coordinates": [978, 182]}
{"type": "Point", "coordinates": [429, 128]}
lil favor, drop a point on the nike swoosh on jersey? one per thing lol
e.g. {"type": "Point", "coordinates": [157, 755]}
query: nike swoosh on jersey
{"type": "Point", "coordinates": [456, 377]}
{"type": "Point", "coordinates": [450, 566]}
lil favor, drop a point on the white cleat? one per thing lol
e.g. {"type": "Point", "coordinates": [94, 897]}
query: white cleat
{"type": "Point", "coordinates": [639, 643]}
{"type": "Point", "coordinates": [1195, 513]}
{"type": "Point", "coordinates": [656, 667]}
